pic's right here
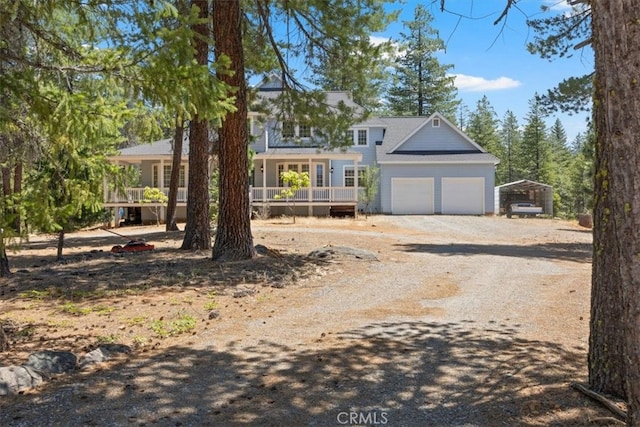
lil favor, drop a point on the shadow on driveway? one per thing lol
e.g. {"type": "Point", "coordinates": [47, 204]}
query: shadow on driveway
{"type": "Point", "coordinates": [407, 373]}
{"type": "Point", "coordinates": [577, 252]}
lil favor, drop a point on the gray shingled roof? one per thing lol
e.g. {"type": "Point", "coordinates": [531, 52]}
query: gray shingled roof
{"type": "Point", "coordinates": [157, 148]}
{"type": "Point", "coordinates": [333, 98]}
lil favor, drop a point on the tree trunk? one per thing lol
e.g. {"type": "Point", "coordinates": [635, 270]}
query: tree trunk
{"type": "Point", "coordinates": [616, 263]}
{"type": "Point", "coordinates": [197, 232]}
{"type": "Point", "coordinates": [60, 245]}
{"type": "Point", "coordinates": [6, 191]}
{"type": "Point", "coordinates": [4, 260]}
{"type": "Point", "coordinates": [172, 202]}
{"type": "Point", "coordinates": [17, 190]}
{"type": "Point", "coordinates": [233, 234]}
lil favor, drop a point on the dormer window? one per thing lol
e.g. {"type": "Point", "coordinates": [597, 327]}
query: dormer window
{"type": "Point", "coordinates": [291, 130]}
{"type": "Point", "coordinates": [288, 129]}
{"type": "Point", "coordinates": [435, 123]}
{"type": "Point", "coordinates": [304, 131]}
{"type": "Point", "coordinates": [359, 137]}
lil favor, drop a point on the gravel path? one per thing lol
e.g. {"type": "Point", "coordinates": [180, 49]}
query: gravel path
{"type": "Point", "coordinates": [462, 321]}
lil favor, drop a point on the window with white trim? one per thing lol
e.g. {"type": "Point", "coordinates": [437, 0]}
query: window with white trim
{"type": "Point", "coordinates": [288, 129]}
{"type": "Point", "coordinates": [362, 137]}
{"type": "Point", "coordinates": [304, 131]}
{"type": "Point", "coordinates": [291, 130]}
{"type": "Point", "coordinates": [298, 167]}
{"type": "Point", "coordinates": [358, 137]}
{"type": "Point", "coordinates": [436, 122]}
{"type": "Point", "coordinates": [349, 175]}
{"type": "Point", "coordinates": [166, 176]}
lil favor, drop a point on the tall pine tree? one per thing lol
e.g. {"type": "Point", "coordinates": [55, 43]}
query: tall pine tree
{"type": "Point", "coordinates": [535, 153]}
{"type": "Point", "coordinates": [421, 85]}
{"type": "Point", "coordinates": [482, 127]}
{"type": "Point", "coordinates": [511, 140]}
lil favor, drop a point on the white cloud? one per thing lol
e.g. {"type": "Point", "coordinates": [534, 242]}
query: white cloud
{"type": "Point", "coordinates": [480, 84]}
{"type": "Point", "coordinates": [557, 4]}
{"type": "Point", "coordinates": [376, 40]}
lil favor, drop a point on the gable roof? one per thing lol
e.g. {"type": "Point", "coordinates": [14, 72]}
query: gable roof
{"type": "Point", "coordinates": [399, 130]}
{"type": "Point", "coordinates": [157, 149]}
{"type": "Point", "coordinates": [424, 123]}
{"type": "Point", "coordinates": [272, 86]}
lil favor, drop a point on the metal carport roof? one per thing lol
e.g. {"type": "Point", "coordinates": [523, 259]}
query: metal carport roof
{"type": "Point", "coordinates": [543, 193]}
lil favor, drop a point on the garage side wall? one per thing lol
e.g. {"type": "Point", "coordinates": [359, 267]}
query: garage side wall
{"type": "Point", "coordinates": [437, 172]}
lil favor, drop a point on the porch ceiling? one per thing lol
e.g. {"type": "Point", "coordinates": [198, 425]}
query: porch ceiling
{"type": "Point", "coordinates": [306, 153]}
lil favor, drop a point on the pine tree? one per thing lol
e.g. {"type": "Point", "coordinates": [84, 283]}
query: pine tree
{"type": "Point", "coordinates": [482, 127]}
{"type": "Point", "coordinates": [511, 140]}
{"type": "Point", "coordinates": [422, 86]}
{"type": "Point", "coordinates": [335, 71]}
{"type": "Point", "coordinates": [560, 165]}
{"type": "Point", "coordinates": [311, 29]}
{"type": "Point", "coordinates": [535, 153]}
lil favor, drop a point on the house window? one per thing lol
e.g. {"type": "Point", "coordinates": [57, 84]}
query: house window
{"type": "Point", "coordinates": [279, 177]}
{"type": "Point", "coordinates": [362, 137]}
{"type": "Point", "coordinates": [288, 130]}
{"type": "Point", "coordinates": [319, 175]}
{"type": "Point", "coordinates": [358, 137]}
{"type": "Point", "coordinates": [349, 176]}
{"type": "Point", "coordinates": [291, 130]}
{"type": "Point", "coordinates": [304, 131]}
{"type": "Point", "coordinates": [166, 178]}
{"type": "Point", "coordinates": [297, 167]}
{"type": "Point", "coordinates": [435, 123]}
{"type": "Point", "coordinates": [350, 135]}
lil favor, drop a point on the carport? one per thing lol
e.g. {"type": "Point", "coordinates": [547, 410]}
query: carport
{"type": "Point", "coordinates": [524, 190]}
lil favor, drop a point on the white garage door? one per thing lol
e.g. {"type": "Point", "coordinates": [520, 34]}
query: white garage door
{"type": "Point", "coordinates": [463, 196]}
{"type": "Point", "coordinates": [412, 196]}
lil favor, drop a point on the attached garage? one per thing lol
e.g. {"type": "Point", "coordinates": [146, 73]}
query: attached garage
{"type": "Point", "coordinates": [463, 196]}
{"type": "Point", "coordinates": [412, 196]}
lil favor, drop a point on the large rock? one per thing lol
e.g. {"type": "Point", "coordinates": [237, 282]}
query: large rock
{"type": "Point", "coordinates": [102, 354]}
{"type": "Point", "coordinates": [14, 379]}
{"type": "Point", "coordinates": [48, 363]}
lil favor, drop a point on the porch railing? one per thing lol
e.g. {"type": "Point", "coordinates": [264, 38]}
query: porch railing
{"type": "Point", "coordinates": [312, 194]}
{"type": "Point", "coordinates": [258, 194]}
{"type": "Point", "coordinates": [136, 195]}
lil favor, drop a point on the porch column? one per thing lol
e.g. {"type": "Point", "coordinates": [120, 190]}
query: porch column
{"type": "Point", "coordinates": [263, 168]}
{"type": "Point", "coordinates": [161, 176]}
{"type": "Point", "coordinates": [310, 195]}
{"type": "Point", "coordinates": [330, 179]}
{"type": "Point", "coordinates": [355, 179]}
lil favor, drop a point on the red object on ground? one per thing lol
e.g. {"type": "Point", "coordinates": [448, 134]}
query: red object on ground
{"type": "Point", "coordinates": [132, 246]}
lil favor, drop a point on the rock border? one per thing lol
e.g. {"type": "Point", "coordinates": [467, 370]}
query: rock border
{"type": "Point", "coordinates": [42, 365]}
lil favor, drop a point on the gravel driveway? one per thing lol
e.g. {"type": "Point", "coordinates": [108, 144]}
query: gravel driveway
{"type": "Point", "coordinates": [457, 321]}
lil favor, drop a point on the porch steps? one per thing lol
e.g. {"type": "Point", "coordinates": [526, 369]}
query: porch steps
{"type": "Point", "coordinates": [342, 211]}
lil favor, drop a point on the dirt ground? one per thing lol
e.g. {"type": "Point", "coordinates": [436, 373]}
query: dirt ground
{"type": "Point", "coordinates": [460, 321]}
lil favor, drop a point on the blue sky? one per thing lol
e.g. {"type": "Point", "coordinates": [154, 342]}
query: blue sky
{"type": "Point", "coordinates": [492, 60]}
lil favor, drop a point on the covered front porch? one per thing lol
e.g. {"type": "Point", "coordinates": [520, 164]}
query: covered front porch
{"type": "Point", "coordinates": [333, 182]}
{"type": "Point", "coordinates": [147, 165]}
